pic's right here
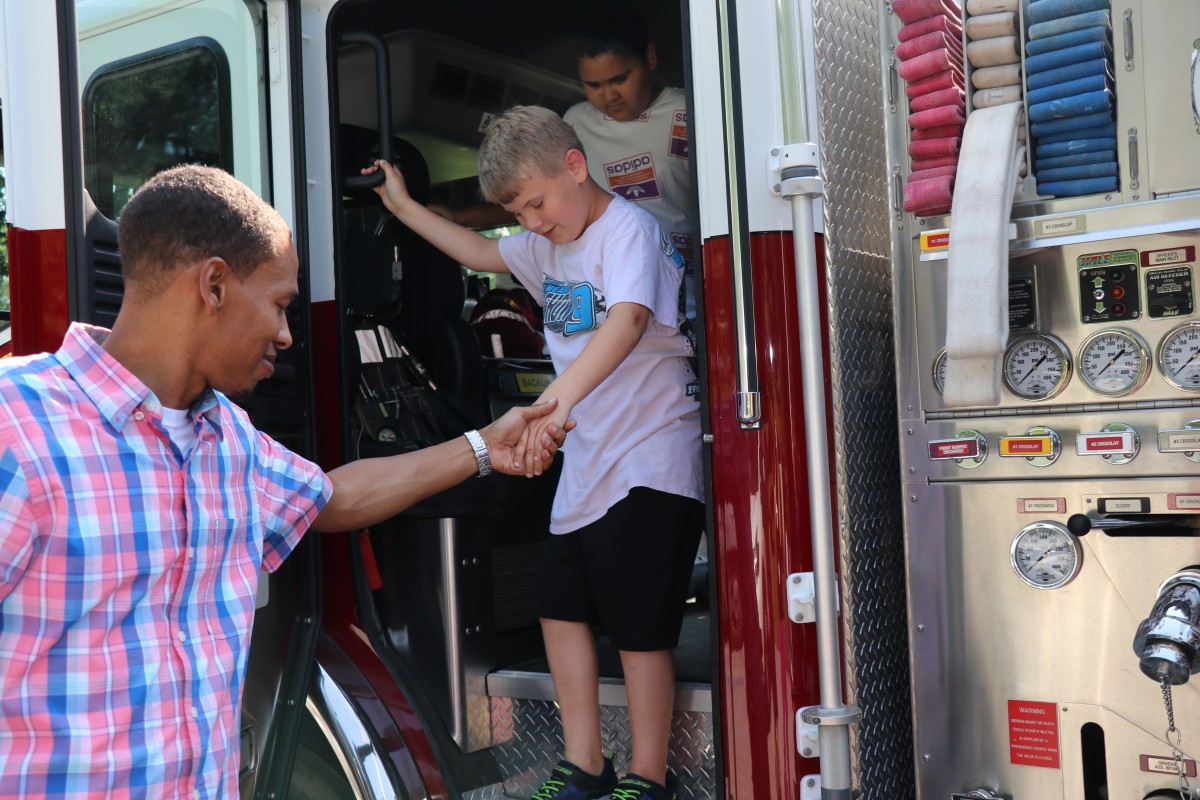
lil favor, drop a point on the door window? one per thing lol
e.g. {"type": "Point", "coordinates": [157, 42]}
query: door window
{"type": "Point", "coordinates": [152, 112]}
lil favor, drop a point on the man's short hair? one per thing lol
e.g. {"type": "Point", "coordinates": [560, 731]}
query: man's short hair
{"type": "Point", "coordinates": [522, 143]}
{"type": "Point", "coordinates": [610, 26]}
{"type": "Point", "coordinates": [189, 213]}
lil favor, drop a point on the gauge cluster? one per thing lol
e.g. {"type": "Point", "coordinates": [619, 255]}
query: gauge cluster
{"type": "Point", "coordinates": [1129, 336]}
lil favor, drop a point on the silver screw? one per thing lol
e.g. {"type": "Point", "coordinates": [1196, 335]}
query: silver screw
{"type": "Point", "coordinates": [811, 782]}
{"type": "Point", "coordinates": [920, 629]}
{"type": "Point", "coordinates": [912, 498]}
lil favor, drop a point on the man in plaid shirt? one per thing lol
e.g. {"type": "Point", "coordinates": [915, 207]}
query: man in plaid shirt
{"type": "Point", "coordinates": [138, 505]}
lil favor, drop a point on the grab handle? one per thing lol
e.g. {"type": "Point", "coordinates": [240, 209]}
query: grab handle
{"type": "Point", "coordinates": [1128, 27]}
{"type": "Point", "coordinates": [383, 91]}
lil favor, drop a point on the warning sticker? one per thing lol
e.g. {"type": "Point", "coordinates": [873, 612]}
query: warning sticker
{"type": "Point", "coordinates": [1033, 733]}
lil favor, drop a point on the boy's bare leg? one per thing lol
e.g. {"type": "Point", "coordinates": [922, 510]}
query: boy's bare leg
{"type": "Point", "coordinates": [650, 687]}
{"type": "Point", "coordinates": [571, 651]}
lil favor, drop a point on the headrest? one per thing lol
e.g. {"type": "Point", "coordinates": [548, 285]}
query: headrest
{"type": "Point", "coordinates": [359, 147]}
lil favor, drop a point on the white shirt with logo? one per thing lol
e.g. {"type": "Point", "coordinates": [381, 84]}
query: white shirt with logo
{"type": "Point", "coordinates": [645, 160]}
{"type": "Point", "coordinates": [641, 425]}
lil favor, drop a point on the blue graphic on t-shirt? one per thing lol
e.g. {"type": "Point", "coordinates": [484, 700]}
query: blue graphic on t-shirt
{"type": "Point", "coordinates": [569, 308]}
{"type": "Point", "coordinates": [670, 251]}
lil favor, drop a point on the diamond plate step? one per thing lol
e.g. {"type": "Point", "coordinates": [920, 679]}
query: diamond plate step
{"type": "Point", "coordinates": [528, 736]}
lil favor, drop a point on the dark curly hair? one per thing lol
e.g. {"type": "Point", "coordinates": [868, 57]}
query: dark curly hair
{"type": "Point", "coordinates": [609, 26]}
{"type": "Point", "coordinates": [190, 213]}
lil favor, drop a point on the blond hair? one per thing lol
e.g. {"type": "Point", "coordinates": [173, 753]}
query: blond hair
{"type": "Point", "coordinates": [522, 143]}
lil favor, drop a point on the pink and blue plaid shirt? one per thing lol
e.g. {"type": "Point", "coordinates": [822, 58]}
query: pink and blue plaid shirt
{"type": "Point", "coordinates": [128, 573]}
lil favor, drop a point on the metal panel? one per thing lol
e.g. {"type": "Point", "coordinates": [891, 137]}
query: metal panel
{"type": "Point", "coordinates": [1168, 62]}
{"type": "Point", "coordinates": [529, 742]}
{"type": "Point", "coordinates": [851, 113]}
{"type": "Point", "coordinates": [985, 638]}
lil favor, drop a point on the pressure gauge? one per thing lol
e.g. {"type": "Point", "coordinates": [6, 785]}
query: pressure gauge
{"type": "Point", "coordinates": [1046, 555]}
{"type": "Point", "coordinates": [939, 371]}
{"type": "Point", "coordinates": [1037, 367]}
{"type": "Point", "coordinates": [1179, 356]}
{"type": "Point", "coordinates": [1114, 362]}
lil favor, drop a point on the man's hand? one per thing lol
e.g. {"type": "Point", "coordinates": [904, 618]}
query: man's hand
{"type": "Point", "coordinates": [504, 434]}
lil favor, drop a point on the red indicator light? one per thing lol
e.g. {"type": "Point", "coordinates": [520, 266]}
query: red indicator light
{"type": "Point", "coordinates": [1118, 309]}
{"type": "Point", "coordinates": [1117, 292]}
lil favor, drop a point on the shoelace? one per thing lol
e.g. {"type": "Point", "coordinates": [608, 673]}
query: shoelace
{"type": "Point", "coordinates": [549, 789]}
{"type": "Point", "coordinates": [625, 794]}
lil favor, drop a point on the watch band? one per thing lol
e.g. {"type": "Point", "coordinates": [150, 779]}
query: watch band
{"type": "Point", "coordinates": [482, 456]}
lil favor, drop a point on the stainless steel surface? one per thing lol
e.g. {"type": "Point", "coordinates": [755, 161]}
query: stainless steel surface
{"type": "Point", "coordinates": [1168, 31]}
{"type": "Point", "coordinates": [983, 638]}
{"type": "Point", "coordinates": [349, 738]}
{"type": "Point", "coordinates": [529, 743]}
{"type": "Point", "coordinates": [852, 71]}
{"type": "Point", "coordinates": [453, 630]}
{"type": "Point", "coordinates": [749, 413]}
{"type": "Point", "coordinates": [1013, 685]}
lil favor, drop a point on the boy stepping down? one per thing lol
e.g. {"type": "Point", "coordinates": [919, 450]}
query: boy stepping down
{"type": "Point", "coordinates": [627, 514]}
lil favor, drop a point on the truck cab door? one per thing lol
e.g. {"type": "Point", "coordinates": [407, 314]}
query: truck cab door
{"type": "Point", "coordinates": [164, 82]}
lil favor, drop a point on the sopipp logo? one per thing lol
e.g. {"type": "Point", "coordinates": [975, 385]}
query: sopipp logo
{"type": "Point", "coordinates": [634, 177]}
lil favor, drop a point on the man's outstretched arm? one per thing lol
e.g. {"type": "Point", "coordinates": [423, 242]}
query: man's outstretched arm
{"type": "Point", "coordinates": [371, 490]}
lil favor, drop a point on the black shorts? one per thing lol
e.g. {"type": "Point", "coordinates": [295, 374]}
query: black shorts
{"type": "Point", "coordinates": [628, 571]}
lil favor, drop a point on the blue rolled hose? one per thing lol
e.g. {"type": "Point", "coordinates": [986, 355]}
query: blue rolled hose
{"type": "Point", "coordinates": [1042, 30]}
{"type": "Point", "coordinates": [1046, 10]}
{"type": "Point", "coordinates": [1070, 123]}
{"type": "Point", "coordinates": [1077, 188]}
{"type": "Point", "coordinates": [1074, 146]}
{"type": "Point", "coordinates": [1075, 159]}
{"type": "Point", "coordinates": [1101, 132]}
{"type": "Point", "coordinates": [1055, 59]}
{"type": "Point", "coordinates": [1095, 33]}
{"type": "Point", "coordinates": [1092, 83]}
{"type": "Point", "coordinates": [1080, 172]}
{"type": "Point", "coordinates": [1080, 104]}
{"type": "Point", "coordinates": [1083, 69]}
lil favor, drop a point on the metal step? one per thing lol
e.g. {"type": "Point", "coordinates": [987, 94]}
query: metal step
{"type": "Point", "coordinates": [527, 735]}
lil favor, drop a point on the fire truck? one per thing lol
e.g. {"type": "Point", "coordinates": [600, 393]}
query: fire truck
{"type": "Point", "coordinates": [949, 391]}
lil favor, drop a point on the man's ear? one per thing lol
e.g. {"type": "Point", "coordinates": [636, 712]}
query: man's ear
{"type": "Point", "coordinates": [651, 57]}
{"type": "Point", "coordinates": [213, 276]}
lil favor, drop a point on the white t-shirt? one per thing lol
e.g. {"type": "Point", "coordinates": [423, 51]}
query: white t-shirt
{"type": "Point", "coordinates": [645, 160]}
{"type": "Point", "coordinates": [641, 425]}
{"type": "Point", "coordinates": [180, 427]}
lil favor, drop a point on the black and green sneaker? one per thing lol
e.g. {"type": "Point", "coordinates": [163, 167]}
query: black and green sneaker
{"type": "Point", "coordinates": [635, 787]}
{"type": "Point", "coordinates": [569, 782]}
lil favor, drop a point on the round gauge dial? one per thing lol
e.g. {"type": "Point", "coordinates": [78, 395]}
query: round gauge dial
{"type": "Point", "coordinates": [939, 372]}
{"type": "Point", "coordinates": [1037, 367]}
{"type": "Point", "coordinates": [1046, 555]}
{"type": "Point", "coordinates": [1114, 362]}
{"type": "Point", "coordinates": [1179, 356]}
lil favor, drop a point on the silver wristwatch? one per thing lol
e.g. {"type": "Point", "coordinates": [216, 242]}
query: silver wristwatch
{"type": "Point", "coordinates": [482, 456]}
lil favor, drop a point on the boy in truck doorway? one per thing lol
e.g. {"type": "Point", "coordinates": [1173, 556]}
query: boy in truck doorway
{"type": "Point", "coordinates": [628, 511]}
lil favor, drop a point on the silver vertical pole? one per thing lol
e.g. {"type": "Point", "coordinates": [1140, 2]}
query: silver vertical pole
{"type": "Point", "coordinates": [800, 183]}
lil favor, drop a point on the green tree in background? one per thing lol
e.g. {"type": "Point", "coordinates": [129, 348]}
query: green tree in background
{"type": "Point", "coordinates": [3, 243]}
